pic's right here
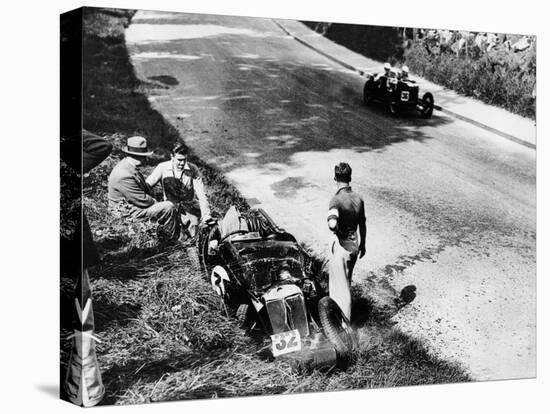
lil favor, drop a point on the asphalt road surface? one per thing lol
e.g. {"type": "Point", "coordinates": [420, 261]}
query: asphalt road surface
{"type": "Point", "coordinates": [451, 209]}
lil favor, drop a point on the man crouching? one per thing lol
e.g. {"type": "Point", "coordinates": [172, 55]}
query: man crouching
{"type": "Point", "coordinates": [130, 195]}
{"type": "Point", "coordinates": [182, 184]}
{"type": "Point", "coordinates": [346, 214]}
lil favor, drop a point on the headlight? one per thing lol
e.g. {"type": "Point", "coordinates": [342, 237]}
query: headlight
{"type": "Point", "coordinates": [308, 287]}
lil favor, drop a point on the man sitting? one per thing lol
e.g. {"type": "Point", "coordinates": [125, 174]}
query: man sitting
{"type": "Point", "coordinates": [182, 185]}
{"type": "Point", "coordinates": [130, 195]}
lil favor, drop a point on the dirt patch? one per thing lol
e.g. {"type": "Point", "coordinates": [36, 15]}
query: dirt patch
{"type": "Point", "coordinates": [165, 80]}
{"type": "Point", "coordinates": [289, 187]}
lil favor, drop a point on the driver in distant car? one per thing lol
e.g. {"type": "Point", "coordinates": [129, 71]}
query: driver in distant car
{"type": "Point", "coordinates": [381, 79]}
{"type": "Point", "coordinates": [346, 215]}
{"type": "Point", "coordinates": [404, 73]}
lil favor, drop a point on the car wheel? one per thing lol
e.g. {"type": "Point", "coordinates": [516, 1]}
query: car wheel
{"type": "Point", "coordinates": [392, 107]}
{"type": "Point", "coordinates": [244, 316]}
{"type": "Point", "coordinates": [203, 240]}
{"type": "Point", "coordinates": [427, 105]}
{"type": "Point", "coordinates": [367, 92]}
{"type": "Point", "coordinates": [231, 303]}
{"type": "Point", "coordinates": [336, 327]}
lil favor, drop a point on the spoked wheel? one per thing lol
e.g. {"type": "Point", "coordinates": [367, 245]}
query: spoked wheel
{"type": "Point", "coordinates": [427, 105]}
{"type": "Point", "coordinates": [337, 328]}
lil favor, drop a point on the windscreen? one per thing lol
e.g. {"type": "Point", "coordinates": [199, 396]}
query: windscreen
{"type": "Point", "coordinates": [232, 223]}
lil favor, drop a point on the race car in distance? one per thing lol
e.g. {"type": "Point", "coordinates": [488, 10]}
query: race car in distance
{"type": "Point", "coordinates": [397, 94]}
{"type": "Point", "coordinates": [259, 271]}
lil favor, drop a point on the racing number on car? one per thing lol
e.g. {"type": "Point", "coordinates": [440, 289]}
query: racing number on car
{"type": "Point", "coordinates": [286, 342]}
{"type": "Point", "coordinates": [282, 344]}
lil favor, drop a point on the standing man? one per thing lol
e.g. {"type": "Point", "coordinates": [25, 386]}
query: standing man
{"type": "Point", "coordinates": [346, 214]}
{"type": "Point", "coordinates": [182, 185]}
{"type": "Point", "coordinates": [130, 195]}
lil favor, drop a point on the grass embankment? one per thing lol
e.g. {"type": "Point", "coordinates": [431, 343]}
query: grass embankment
{"type": "Point", "coordinates": [499, 77]}
{"type": "Point", "coordinates": [162, 328]}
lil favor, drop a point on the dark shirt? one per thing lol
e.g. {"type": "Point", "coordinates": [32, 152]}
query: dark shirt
{"type": "Point", "coordinates": [126, 183]}
{"type": "Point", "coordinates": [349, 210]}
{"type": "Point", "coordinates": [82, 153]}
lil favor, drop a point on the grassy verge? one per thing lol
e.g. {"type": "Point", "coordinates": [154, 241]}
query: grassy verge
{"type": "Point", "coordinates": [498, 78]}
{"type": "Point", "coordinates": [163, 332]}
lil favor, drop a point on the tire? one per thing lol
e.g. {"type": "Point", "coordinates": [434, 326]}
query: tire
{"type": "Point", "coordinates": [336, 327]}
{"type": "Point", "coordinates": [392, 107]}
{"type": "Point", "coordinates": [229, 310]}
{"type": "Point", "coordinates": [206, 262]}
{"type": "Point", "coordinates": [244, 316]}
{"type": "Point", "coordinates": [427, 105]}
{"type": "Point", "coordinates": [203, 249]}
{"type": "Point", "coordinates": [367, 93]}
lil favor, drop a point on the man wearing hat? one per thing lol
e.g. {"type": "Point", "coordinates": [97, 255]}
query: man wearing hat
{"type": "Point", "coordinates": [346, 215]}
{"type": "Point", "coordinates": [130, 195]}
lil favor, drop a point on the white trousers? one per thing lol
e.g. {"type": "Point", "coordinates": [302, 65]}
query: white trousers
{"type": "Point", "coordinates": [341, 266]}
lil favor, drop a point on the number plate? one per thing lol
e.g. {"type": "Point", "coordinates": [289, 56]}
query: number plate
{"type": "Point", "coordinates": [285, 342]}
{"type": "Point", "coordinates": [404, 95]}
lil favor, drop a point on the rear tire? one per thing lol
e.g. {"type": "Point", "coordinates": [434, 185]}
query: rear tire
{"type": "Point", "coordinates": [427, 105]}
{"type": "Point", "coordinates": [367, 92]}
{"type": "Point", "coordinates": [244, 316]}
{"type": "Point", "coordinates": [392, 107]}
{"type": "Point", "coordinates": [336, 327]}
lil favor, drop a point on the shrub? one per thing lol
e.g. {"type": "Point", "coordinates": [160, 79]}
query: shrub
{"type": "Point", "coordinates": [494, 78]}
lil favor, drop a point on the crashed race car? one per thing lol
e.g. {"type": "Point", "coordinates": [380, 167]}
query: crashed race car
{"type": "Point", "coordinates": [259, 271]}
{"type": "Point", "coordinates": [397, 94]}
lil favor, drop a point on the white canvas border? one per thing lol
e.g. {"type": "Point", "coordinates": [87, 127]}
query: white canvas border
{"type": "Point", "coordinates": [29, 293]}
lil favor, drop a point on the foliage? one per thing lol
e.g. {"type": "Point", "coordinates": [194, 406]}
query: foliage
{"type": "Point", "coordinates": [495, 78]}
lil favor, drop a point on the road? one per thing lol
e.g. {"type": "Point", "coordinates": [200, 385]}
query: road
{"type": "Point", "coordinates": [451, 208]}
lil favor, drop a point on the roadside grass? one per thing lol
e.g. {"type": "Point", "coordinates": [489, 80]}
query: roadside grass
{"type": "Point", "coordinates": [163, 330]}
{"type": "Point", "coordinates": [498, 78]}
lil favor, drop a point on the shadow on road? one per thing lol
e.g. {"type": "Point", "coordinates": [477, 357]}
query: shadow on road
{"type": "Point", "coordinates": [309, 109]}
